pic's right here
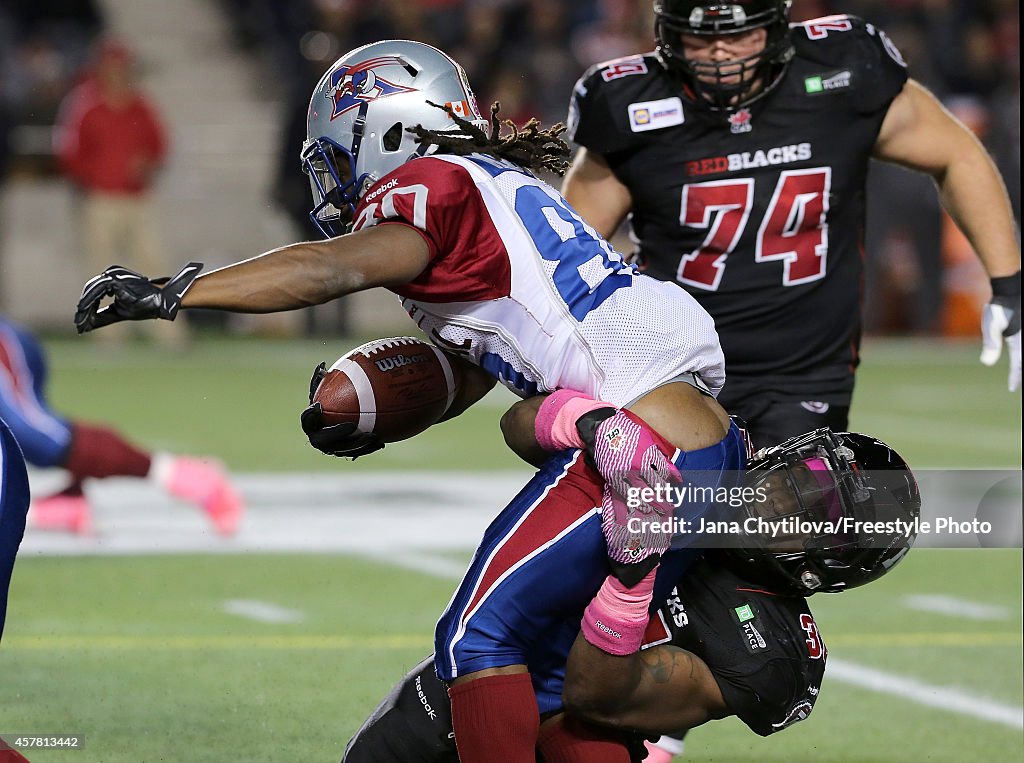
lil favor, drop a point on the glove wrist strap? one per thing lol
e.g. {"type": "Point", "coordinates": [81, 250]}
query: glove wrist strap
{"type": "Point", "coordinates": [176, 289]}
{"type": "Point", "coordinates": [1006, 286]}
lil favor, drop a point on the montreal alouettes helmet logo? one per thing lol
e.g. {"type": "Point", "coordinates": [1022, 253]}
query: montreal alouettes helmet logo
{"type": "Point", "coordinates": [352, 85]}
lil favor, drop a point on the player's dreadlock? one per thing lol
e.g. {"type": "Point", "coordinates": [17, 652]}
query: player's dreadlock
{"type": "Point", "coordinates": [528, 146]}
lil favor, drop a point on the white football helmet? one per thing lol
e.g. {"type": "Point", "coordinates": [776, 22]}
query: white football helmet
{"type": "Point", "coordinates": [358, 115]}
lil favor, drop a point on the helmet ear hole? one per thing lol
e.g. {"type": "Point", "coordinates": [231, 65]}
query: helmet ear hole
{"type": "Point", "coordinates": [393, 137]}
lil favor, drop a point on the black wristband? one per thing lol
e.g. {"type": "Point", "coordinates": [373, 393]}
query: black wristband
{"type": "Point", "coordinates": [1006, 286]}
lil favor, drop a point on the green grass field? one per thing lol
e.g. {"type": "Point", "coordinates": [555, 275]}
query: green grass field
{"type": "Point", "coordinates": [138, 653]}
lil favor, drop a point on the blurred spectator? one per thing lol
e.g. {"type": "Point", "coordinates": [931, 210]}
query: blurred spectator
{"type": "Point", "coordinates": [111, 143]}
{"type": "Point", "coordinates": [550, 62]}
{"type": "Point", "coordinates": [622, 28]}
{"type": "Point", "coordinates": [43, 45]}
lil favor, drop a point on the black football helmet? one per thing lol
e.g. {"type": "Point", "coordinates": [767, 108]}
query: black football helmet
{"type": "Point", "coordinates": [759, 73]}
{"type": "Point", "coordinates": [825, 514]}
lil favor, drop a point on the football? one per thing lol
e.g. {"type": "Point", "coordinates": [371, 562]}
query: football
{"type": "Point", "coordinates": [395, 388]}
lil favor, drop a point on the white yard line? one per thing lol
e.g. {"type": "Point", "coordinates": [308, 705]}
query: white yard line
{"type": "Point", "coordinates": [262, 611]}
{"type": "Point", "coordinates": [955, 607]}
{"type": "Point", "coordinates": [941, 697]}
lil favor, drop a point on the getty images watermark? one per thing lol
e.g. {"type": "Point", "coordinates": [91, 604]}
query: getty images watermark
{"type": "Point", "coordinates": [959, 509]}
{"type": "Point", "coordinates": [793, 526]}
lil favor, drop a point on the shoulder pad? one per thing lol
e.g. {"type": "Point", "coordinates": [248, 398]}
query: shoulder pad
{"type": "Point", "coordinates": [836, 34]}
{"type": "Point", "coordinates": [600, 106]}
{"type": "Point", "coordinates": [850, 44]}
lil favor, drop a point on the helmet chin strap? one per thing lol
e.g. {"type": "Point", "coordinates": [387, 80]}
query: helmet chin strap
{"type": "Point", "coordinates": [358, 128]}
{"type": "Point", "coordinates": [809, 580]}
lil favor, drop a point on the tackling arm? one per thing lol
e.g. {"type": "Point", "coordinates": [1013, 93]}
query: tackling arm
{"type": "Point", "coordinates": [660, 690]}
{"type": "Point", "coordinates": [517, 427]}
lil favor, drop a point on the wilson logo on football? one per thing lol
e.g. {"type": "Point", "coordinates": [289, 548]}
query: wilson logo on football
{"type": "Point", "coordinates": [399, 361]}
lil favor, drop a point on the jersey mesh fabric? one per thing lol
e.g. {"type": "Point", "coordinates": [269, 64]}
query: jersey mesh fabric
{"type": "Point", "coordinates": [575, 316]}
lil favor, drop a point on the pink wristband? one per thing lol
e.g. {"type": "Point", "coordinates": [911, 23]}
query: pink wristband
{"type": "Point", "coordinates": [555, 425]}
{"type": "Point", "coordinates": [616, 619]}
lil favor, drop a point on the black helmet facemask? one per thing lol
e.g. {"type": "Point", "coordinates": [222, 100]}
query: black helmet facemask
{"type": "Point", "coordinates": [758, 73]}
{"type": "Point", "coordinates": [832, 511]}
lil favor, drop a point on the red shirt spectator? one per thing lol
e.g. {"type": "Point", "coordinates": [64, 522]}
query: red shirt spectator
{"type": "Point", "coordinates": [110, 138]}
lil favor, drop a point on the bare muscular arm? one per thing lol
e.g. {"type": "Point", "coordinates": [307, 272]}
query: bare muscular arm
{"type": "Point", "coordinates": [920, 134]}
{"type": "Point", "coordinates": [660, 690]}
{"type": "Point", "coordinates": [678, 412]}
{"type": "Point", "coordinates": [313, 272]}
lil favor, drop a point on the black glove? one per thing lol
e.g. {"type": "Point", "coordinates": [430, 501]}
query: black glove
{"type": "Point", "coordinates": [136, 298]}
{"type": "Point", "coordinates": [340, 440]}
{"type": "Point", "coordinates": [587, 425]}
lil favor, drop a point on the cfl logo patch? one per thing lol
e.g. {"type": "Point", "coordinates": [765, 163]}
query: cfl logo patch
{"type": "Point", "coordinates": [634, 549]}
{"type": "Point", "coordinates": [614, 439]}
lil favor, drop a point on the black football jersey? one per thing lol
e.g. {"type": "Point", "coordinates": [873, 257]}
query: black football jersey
{"type": "Point", "coordinates": [758, 214]}
{"type": "Point", "coordinates": [765, 653]}
{"type": "Point", "coordinates": [764, 650]}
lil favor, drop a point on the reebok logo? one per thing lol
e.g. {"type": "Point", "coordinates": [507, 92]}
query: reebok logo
{"type": "Point", "coordinates": [431, 713]}
{"type": "Point", "coordinates": [377, 191]}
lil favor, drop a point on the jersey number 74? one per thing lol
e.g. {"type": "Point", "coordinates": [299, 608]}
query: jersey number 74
{"type": "Point", "coordinates": [794, 228]}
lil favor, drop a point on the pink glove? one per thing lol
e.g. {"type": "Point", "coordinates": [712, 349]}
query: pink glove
{"type": "Point", "coordinates": [638, 508]}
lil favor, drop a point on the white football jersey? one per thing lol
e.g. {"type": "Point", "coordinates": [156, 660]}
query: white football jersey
{"type": "Point", "coordinates": [520, 285]}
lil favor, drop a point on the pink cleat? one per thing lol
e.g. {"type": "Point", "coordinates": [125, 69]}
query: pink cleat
{"type": "Point", "coordinates": [658, 754]}
{"type": "Point", "coordinates": [204, 482]}
{"type": "Point", "coordinates": [68, 511]}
